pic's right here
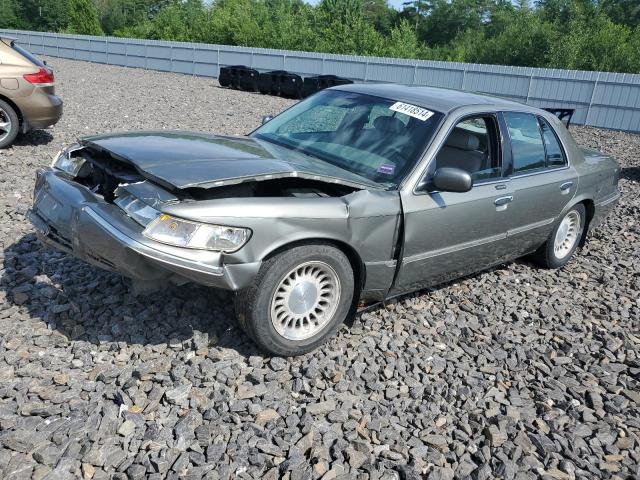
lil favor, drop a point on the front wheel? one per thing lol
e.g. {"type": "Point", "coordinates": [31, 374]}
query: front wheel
{"type": "Point", "coordinates": [564, 240]}
{"type": "Point", "coordinates": [299, 299]}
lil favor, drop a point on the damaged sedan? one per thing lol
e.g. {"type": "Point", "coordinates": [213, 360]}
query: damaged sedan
{"type": "Point", "coordinates": [352, 196]}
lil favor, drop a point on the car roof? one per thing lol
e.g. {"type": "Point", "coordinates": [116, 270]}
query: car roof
{"type": "Point", "coordinates": [440, 99]}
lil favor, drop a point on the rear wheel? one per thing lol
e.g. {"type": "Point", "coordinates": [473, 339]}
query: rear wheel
{"type": "Point", "coordinates": [564, 240]}
{"type": "Point", "coordinates": [298, 300]}
{"type": "Point", "coordinates": [9, 124]}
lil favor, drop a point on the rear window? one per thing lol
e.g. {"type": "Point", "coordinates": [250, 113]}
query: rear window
{"type": "Point", "coordinates": [28, 55]}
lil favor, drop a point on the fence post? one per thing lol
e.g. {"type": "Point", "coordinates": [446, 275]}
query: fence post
{"type": "Point", "coordinates": [593, 93]}
{"type": "Point", "coordinates": [193, 61]}
{"type": "Point", "coordinates": [529, 89]}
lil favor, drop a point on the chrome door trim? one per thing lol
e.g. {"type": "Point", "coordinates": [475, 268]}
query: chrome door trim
{"type": "Point", "coordinates": [530, 226]}
{"type": "Point", "coordinates": [539, 172]}
{"type": "Point", "coordinates": [453, 248]}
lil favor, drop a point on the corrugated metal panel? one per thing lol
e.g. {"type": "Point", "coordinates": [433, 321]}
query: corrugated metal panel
{"type": "Point", "coordinates": [603, 99]}
{"type": "Point", "coordinates": [557, 89]}
{"type": "Point", "coordinates": [302, 65]}
{"type": "Point", "coordinates": [345, 68]}
{"type": "Point", "coordinates": [392, 73]}
{"type": "Point", "coordinates": [439, 77]}
{"type": "Point", "coordinates": [266, 61]}
{"type": "Point", "coordinates": [620, 95]}
{"type": "Point", "coordinates": [234, 58]}
{"type": "Point", "coordinates": [512, 86]}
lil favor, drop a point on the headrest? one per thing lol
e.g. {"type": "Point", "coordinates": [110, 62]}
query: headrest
{"type": "Point", "coordinates": [388, 124]}
{"type": "Point", "coordinates": [463, 140]}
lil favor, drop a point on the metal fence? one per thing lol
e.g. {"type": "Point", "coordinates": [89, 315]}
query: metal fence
{"type": "Point", "coordinates": [601, 99]}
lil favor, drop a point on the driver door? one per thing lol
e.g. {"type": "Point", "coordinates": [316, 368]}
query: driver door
{"type": "Point", "coordinates": [449, 234]}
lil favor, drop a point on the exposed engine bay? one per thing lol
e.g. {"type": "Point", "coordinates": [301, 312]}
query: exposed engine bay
{"type": "Point", "coordinates": [103, 175]}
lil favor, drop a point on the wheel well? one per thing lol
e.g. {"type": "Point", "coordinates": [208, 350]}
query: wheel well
{"type": "Point", "coordinates": [590, 209]}
{"type": "Point", "coordinates": [359, 270]}
{"type": "Point", "coordinates": [14, 106]}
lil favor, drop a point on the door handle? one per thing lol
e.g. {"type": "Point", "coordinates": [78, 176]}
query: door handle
{"type": "Point", "coordinates": [566, 186]}
{"type": "Point", "coordinates": [502, 201]}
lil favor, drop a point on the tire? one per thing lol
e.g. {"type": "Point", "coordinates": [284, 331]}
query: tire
{"type": "Point", "coordinates": [548, 256]}
{"type": "Point", "coordinates": [9, 117]}
{"type": "Point", "coordinates": [319, 274]}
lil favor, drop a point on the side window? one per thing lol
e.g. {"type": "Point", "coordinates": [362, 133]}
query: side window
{"type": "Point", "coordinates": [555, 155]}
{"type": "Point", "coordinates": [526, 142]}
{"type": "Point", "coordinates": [473, 146]}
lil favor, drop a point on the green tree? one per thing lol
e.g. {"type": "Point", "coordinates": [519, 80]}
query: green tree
{"type": "Point", "coordinates": [583, 34]}
{"type": "Point", "coordinates": [514, 37]}
{"type": "Point", "coordinates": [341, 27]}
{"type": "Point", "coordinates": [9, 15]}
{"type": "Point", "coordinates": [47, 15]}
{"type": "Point", "coordinates": [598, 44]}
{"type": "Point", "coordinates": [83, 18]}
{"type": "Point", "coordinates": [624, 12]}
{"type": "Point", "coordinates": [403, 42]}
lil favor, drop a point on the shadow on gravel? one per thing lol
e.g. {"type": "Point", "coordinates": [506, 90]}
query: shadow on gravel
{"type": "Point", "coordinates": [33, 138]}
{"type": "Point", "coordinates": [630, 173]}
{"type": "Point", "coordinates": [85, 303]}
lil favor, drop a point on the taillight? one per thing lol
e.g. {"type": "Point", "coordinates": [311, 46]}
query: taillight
{"type": "Point", "coordinates": [43, 78]}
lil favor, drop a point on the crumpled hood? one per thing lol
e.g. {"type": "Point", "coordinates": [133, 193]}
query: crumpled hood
{"type": "Point", "coordinates": [200, 160]}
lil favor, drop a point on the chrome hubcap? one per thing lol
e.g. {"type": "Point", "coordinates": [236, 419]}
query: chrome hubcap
{"type": "Point", "coordinates": [5, 124]}
{"type": "Point", "coordinates": [305, 300]}
{"type": "Point", "coordinates": [567, 235]}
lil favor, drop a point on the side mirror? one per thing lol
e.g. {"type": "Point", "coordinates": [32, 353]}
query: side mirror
{"type": "Point", "coordinates": [266, 119]}
{"type": "Point", "coordinates": [447, 179]}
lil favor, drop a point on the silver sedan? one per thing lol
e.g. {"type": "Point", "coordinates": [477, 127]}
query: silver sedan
{"type": "Point", "coordinates": [352, 196]}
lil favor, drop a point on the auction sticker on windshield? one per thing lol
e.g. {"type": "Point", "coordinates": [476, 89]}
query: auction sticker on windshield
{"type": "Point", "coordinates": [411, 110]}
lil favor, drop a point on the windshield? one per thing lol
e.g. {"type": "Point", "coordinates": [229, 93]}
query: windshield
{"type": "Point", "coordinates": [373, 137]}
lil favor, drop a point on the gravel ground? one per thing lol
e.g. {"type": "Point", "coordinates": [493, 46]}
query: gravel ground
{"type": "Point", "coordinates": [513, 373]}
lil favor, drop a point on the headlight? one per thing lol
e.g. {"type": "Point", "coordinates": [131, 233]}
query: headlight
{"type": "Point", "coordinates": [188, 234]}
{"type": "Point", "coordinates": [67, 163]}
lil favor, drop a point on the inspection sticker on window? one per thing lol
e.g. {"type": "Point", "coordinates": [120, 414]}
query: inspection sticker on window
{"type": "Point", "coordinates": [411, 110]}
{"type": "Point", "coordinates": [386, 169]}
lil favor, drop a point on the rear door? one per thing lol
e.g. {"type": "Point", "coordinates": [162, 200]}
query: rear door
{"type": "Point", "coordinates": [541, 179]}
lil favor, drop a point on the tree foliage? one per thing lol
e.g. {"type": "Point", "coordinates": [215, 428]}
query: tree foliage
{"type": "Point", "coordinates": [83, 18]}
{"type": "Point", "coordinates": [576, 34]}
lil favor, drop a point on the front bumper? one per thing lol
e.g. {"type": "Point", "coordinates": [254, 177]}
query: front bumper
{"type": "Point", "coordinates": [68, 216]}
